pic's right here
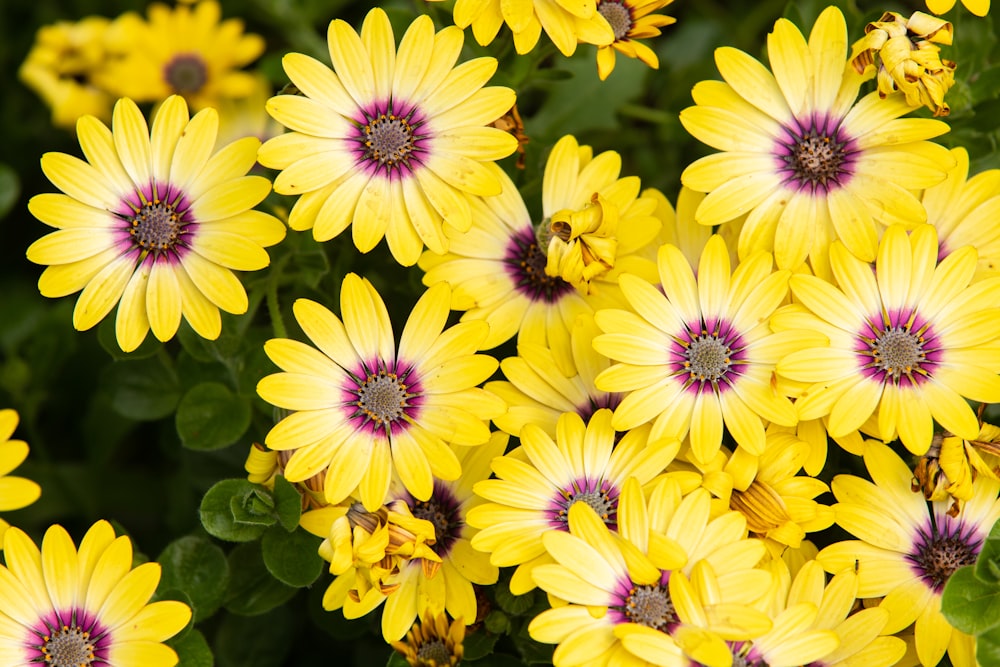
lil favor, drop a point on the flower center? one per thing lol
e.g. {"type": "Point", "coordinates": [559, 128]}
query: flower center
{"type": "Point", "coordinates": [897, 352]}
{"type": "Point", "coordinates": [382, 397]}
{"type": "Point", "coordinates": [388, 141]}
{"type": "Point", "coordinates": [618, 17]}
{"type": "Point", "coordinates": [443, 511]}
{"type": "Point", "coordinates": [938, 556]}
{"type": "Point", "coordinates": [525, 263]}
{"type": "Point", "coordinates": [817, 158]}
{"type": "Point", "coordinates": [186, 74]}
{"type": "Point", "coordinates": [708, 358]}
{"type": "Point", "coordinates": [434, 652]}
{"type": "Point", "coordinates": [601, 495]}
{"type": "Point", "coordinates": [68, 647]}
{"type": "Point", "coordinates": [650, 605]}
{"type": "Point", "coordinates": [156, 226]}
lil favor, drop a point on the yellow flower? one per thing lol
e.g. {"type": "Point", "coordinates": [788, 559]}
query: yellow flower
{"type": "Point", "coordinates": [907, 549]}
{"type": "Point", "coordinates": [362, 409]}
{"type": "Point", "coordinates": [153, 221]}
{"type": "Point", "coordinates": [906, 58]}
{"type": "Point", "coordinates": [15, 492]}
{"type": "Point", "coordinates": [61, 68]}
{"type": "Point", "coordinates": [391, 141]}
{"type": "Point", "coordinates": [631, 20]}
{"type": "Point", "coordinates": [89, 607]}
{"type": "Point", "coordinates": [804, 160]}
{"type": "Point", "coordinates": [952, 464]}
{"type": "Point", "coordinates": [183, 51]}
{"type": "Point", "coordinates": [909, 341]}
{"type": "Point", "coordinates": [433, 642]}
{"type": "Point", "coordinates": [977, 7]}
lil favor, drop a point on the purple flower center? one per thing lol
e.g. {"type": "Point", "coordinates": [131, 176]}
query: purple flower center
{"type": "Point", "coordinates": [645, 604]}
{"type": "Point", "coordinates": [444, 511]}
{"type": "Point", "coordinates": [902, 350]}
{"type": "Point", "coordinates": [601, 495]}
{"type": "Point", "coordinates": [186, 74]}
{"type": "Point", "coordinates": [816, 155]}
{"type": "Point", "coordinates": [73, 639]}
{"type": "Point", "coordinates": [383, 398]}
{"type": "Point", "coordinates": [939, 551]}
{"type": "Point", "coordinates": [389, 140]}
{"type": "Point", "coordinates": [525, 264]}
{"type": "Point", "coordinates": [157, 225]}
{"type": "Point", "coordinates": [708, 356]}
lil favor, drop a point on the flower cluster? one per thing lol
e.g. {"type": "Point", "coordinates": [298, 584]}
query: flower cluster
{"type": "Point", "coordinates": [617, 411]}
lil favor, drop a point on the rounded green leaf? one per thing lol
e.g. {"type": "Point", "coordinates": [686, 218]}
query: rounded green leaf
{"type": "Point", "coordinates": [210, 416]}
{"type": "Point", "coordinates": [199, 568]}
{"type": "Point", "coordinates": [252, 589]}
{"type": "Point", "coordinates": [193, 650]}
{"type": "Point", "coordinates": [292, 558]}
{"type": "Point", "coordinates": [144, 389]}
{"type": "Point", "coordinates": [219, 518]}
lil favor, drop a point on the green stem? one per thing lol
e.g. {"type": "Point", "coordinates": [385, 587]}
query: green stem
{"type": "Point", "coordinates": [273, 307]}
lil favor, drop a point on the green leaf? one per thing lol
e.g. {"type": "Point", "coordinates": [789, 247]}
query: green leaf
{"type": "Point", "coordinates": [210, 416]}
{"type": "Point", "coordinates": [260, 641]}
{"type": "Point", "coordinates": [292, 558]}
{"type": "Point", "coordinates": [515, 605]}
{"type": "Point", "coordinates": [497, 622]}
{"type": "Point", "coordinates": [532, 652]}
{"type": "Point", "coordinates": [10, 189]}
{"type": "Point", "coordinates": [219, 518]}
{"type": "Point", "coordinates": [989, 557]}
{"type": "Point", "coordinates": [287, 503]}
{"type": "Point", "coordinates": [252, 590]}
{"type": "Point", "coordinates": [988, 648]}
{"type": "Point", "coordinates": [396, 659]}
{"type": "Point", "coordinates": [108, 339]}
{"type": "Point", "coordinates": [143, 389]}
{"type": "Point", "coordinates": [968, 604]}
{"type": "Point", "coordinates": [479, 643]}
{"type": "Point", "coordinates": [193, 650]}
{"type": "Point", "coordinates": [254, 509]}
{"type": "Point", "coordinates": [199, 568]}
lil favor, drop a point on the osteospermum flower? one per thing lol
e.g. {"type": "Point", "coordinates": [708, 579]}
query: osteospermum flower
{"type": "Point", "coordinates": [699, 354]}
{"type": "Point", "coordinates": [154, 222]}
{"type": "Point", "coordinates": [86, 607]}
{"type": "Point", "coordinates": [536, 485]}
{"type": "Point", "coordinates": [909, 341]}
{"type": "Point", "coordinates": [433, 642]}
{"type": "Point", "coordinates": [806, 161]}
{"type": "Point", "coordinates": [536, 395]}
{"type": "Point", "coordinates": [908, 548]}
{"type": "Point", "coordinates": [363, 410]}
{"type": "Point", "coordinates": [631, 20]}
{"type": "Point", "coordinates": [390, 142]}
{"type": "Point", "coordinates": [671, 586]}
{"type": "Point", "coordinates": [61, 66]}
{"type": "Point", "coordinates": [15, 492]}
{"type": "Point", "coordinates": [977, 7]}
{"type": "Point", "coordinates": [185, 50]}
{"type": "Point", "coordinates": [963, 208]}
{"type": "Point", "coordinates": [952, 464]}
{"type": "Point", "coordinates": [565, 23]}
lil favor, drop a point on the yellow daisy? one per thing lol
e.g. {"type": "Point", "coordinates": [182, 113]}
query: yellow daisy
{"type": "Point", "coordinates": [61, 67]}
{"type": "Point", "coordinates": [699, 354]}
{"type": "Point", "coordinates": [155, 221]}
{"type": "Point", "coordinates": [534, 394]}
{"type": "Point", "coordinates": [907, 549]}
{"type": "Point", "coordinates": [977, 7]}
{"type": "Point", "coordinates": [566, 23]}
{"type": "Point", "coordinates": [964, 209]}
{"type": "Point", "coordinates": [806, 161]}
{"type": "Point", "coordinates": [536, 485]}
{"type": "Point", "coordinates": [672, 585]}
{"type": "Point", "coordinates": [362, 409]}
{"type": "Point", "coordinates": [951, 465]}
{"type": "Point", "coordinates": [185, 50]}
{"type": "Point", "coordinates": [908, 342]}
{"type": "Point", "coordinates": [631, 20]}
{"type": "Point", "coordinates": [83, 608]}
{"type": "Point", "coordinates": [15, 492]}
{"type": "Point", "coordinates": [433, 642]}
{"type": "Point", "coordinates": [389, 142]}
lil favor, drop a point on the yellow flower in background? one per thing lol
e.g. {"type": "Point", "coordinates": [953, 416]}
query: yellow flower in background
{"type": "Point", "coordinates": [536, 485]}
{"type": "Point", "coordinates": [800, 156]}
{"type": "Point", "coordinates": [907, 549]}
{"type": "Point", "coordinates": [186, 50]}
{"type": "Point", "coordinates": [977, 7]}
{"type": "Point", "coordinates": [631, 20]}
{"type": "Point", "coordinates": [246, 116]}
{"type": "Point", "coordinates": [566, 23]}
{"type": "Point", "coordinates": [63, 606]}
{"type": "Point", "coordinates": [536, 395]}
{"type": "Point", "coordinates": [906, 58]}
{"type": "Point", "coordinates": [362, 409]}
{"type": "Point", "coordinates": [964, 209]}
{"type": "Point", "coordinates": [154, 222]}
{"type": "Point", "coordinates": [952, 464]}
{"type": "Point", "coordinates": [433, 642]}
{"type": "Point", "coordinates": [909, 341]}
{"type": "Point", "coordinates": [699, 355]}
{"type": "Point", "coordinates": [61, 67]}
{"type": "Point", "coordinates": [389, 142]}
{"type": "Point", "coordinates": [15, 492]}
